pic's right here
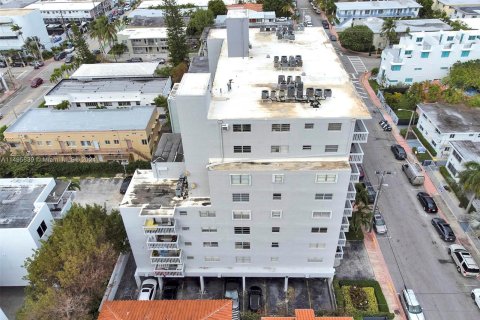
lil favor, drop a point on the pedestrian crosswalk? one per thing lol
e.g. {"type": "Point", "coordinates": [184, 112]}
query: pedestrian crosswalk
{"type": "Point", "coordinates": [357, 64]}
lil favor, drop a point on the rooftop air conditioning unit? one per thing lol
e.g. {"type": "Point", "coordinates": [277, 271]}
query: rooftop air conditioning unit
{"type": "Point", "coordinates": [225, 126]}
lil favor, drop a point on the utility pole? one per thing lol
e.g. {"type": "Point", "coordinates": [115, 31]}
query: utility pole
{"type": "Point", "coordinates": [35, 39]}
{"type": "Point", "coordinates": [379, 190]}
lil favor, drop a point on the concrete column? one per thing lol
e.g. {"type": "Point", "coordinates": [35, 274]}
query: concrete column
{"type": "Point", "coordinates": [137, 280]}
{"type": "Point", "coordinates": [202, 285]}
{"type": "Point", "coordinates": [243, 284]}
{"type": "Point", "coordinates": [4, 83]}
{"type": "Point", "coordinates": [285, 288]}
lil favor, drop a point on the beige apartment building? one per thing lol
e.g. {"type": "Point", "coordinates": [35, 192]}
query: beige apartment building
{"type": "Point", "coordinates": [96, 135]}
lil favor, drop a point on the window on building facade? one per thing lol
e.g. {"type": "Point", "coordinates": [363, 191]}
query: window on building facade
{"type": "Point", "coordinates": [465, 53]}
{"type": "Point", "coordinates": [275, 245]}
{"type": "Point", "coordinates": [452, 169]}
{"type": "Point", "coordinates": [209, 229]}
{"type": "Point", "coordinates": [187, 244]}
{"type": "Point", "coordinates": [331, 148]}
{"type": "Point", "coordinates": [86, 143]}
{"type": "Point", "coordinates": [419, 39]}
{"type": "Point", "coordinates": [408, 52]}
{"type": "Point", "coordinates": [323, 196]}
{"type": "Point", "coordinates": [408, 80]}
{"type": "Point", "coordinates": [275, 229]}
{"type": "Point", "coordinates": [241, 215]}
{"type": "Point", "coordinates": [335, 126]}
{"type": "Point", "coordinates": [242, 245]}
{"type": "Point", "coordinates": [207, 214]}
{"type": "Point", "coordinates": [306, 147]}
{"type": "Point", "coordinates": [321, 214]}
{"type": "Point", "coordinates": [276, 214]}
{"type": "Point", "coordinates": [308, 125]}
{"type": "Point", "coordinates": [450, 38]}
{"type": "Point", "coordinates": [211, 259]}
{"type": "Point", "coordinates": [42, 228]}
{"type": "Point", "coordinates": [240, 179]}
{"type": "Point", "coordinates": [243, 259]}
{"type": "Point", "coordinates": [116, 141]}
{"type": "Point", "coordinates": [424, 55]}
{"type": "Point", "coordinates": [242, 128]}
{"type": "Point", "coordinates": [185, 228]}
{"type": "Point", "coordinates": [396, 68]}
{"type": "Point", "coordinates": [277, 196]}
{"type": "Point", "coordinates": [210, 244]}
{"type": "Point", "coordinates": [315, 259]}
{"type": "Point", "coordinates": [457, 156]}
{"type": "Point", "coordinates": [107, 141]}
{"type": "Point", "coordinates": [445, 54]}
{"type": "Point", "coordinates": [452, 136]}
{"type": "Point", "coordinates": [274, 259]}
{"type": "Point", "coordinates": [277, 178]}
{"type": "Point", "coordinates": [317, 245]}
{"type": "Point", "coordinates": [183, 212]}
{"type": "Point", "coordinates": [241, 230]}
{"type": "Point", "coordinates": [319, 230]}
{"type": "Point", "coordinates": [144, 142]}
{"type": "Point", "coordinates": [276, 127]}
{"type": "Point", "coordinates": [325, 178]}
{"type": "Point", "coordinates": [240, 197]}
{"type": "Point", "coordinates": [242, 149]}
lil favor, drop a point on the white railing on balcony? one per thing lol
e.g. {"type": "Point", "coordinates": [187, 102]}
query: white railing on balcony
{"type": "Point", "coordinates": [166, 256]}
{"type": "Point", "coordinates": [342, 240]}
{"type": "Point", "coordinates": [159, 226]}
{"type": "Point", "coordinates": [351, 191]}
{"type": "Point", "coordinates": [170, 270]}
{"type": "Point", "coordinates": [157, 212]}
{"type": "Point", "coordinates": [347, 212]}
{"type": "Point", "coordinates": [360, 134]}
{"type": "Point", "coordinates": [339, 253]}
{"type": "Point", "coordinates": [162, 242]}
{"type": "Point", "coordinates": [356, 153]}
{"type": "Point", "coordinates": [355, 175]}
{"type": "Point", "coordinates": [345, 224]}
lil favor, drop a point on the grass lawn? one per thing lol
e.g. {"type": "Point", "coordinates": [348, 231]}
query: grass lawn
{"type": "Point", "coordinates": [403, 114]}
{"type": "Point", "coordinates": [421, 156]}
{"type": "Point", "coordinates": [374, 85]}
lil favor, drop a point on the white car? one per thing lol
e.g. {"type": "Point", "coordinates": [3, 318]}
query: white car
{"type": "Point", "coordinates": [379, 223]}
{"type": "Point", "coordinates": [476, 296]}
{"type": "Point", "coordinates": [69, 50]}
{"type": "Point", "coordinates": [148, 289]}
{"type": "Point", "coordinates": [281, 19]}
{"type": "Point", "coordinates": [127, 7]}
{"type": "Point", "coordinates": [412, 308]}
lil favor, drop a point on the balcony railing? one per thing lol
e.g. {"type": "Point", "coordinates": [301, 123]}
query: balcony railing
{"type": "Point", "coordinates": [356, 153]}
{"type": "Point", "coordinates": [376, 14]}
{"type": "Point", "coordinates": [360, 134]}
{"type": "Point", "coordinates": [170, 270]}
{"type": "Point", "coordinates": [166, 256]}
{"type": "Point", "coordinates": [351, 191]}
{"type": "Point", "coordinates": [347, 212]}
{"type": "Point", "coordinates": [163, 242]}
{"type": "Point", "coordinates": [158, 212]}
{"type": "Point", "coordinates": [159, 226]}
{"type": "Point", "coordinates": [339, 253]}
{"type": "Point", "coordinates": [345, 224]}
{"type": "Point", "coordinates": [342, 240]}
{"type": "Point", "coordinates": [355, 175]}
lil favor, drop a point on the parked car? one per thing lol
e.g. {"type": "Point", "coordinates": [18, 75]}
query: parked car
{"type": "Point", "coordinates": [333, 38]}
{"type": "Point", "coordinates": [466, 266]}
{"type": "Point", "coordinates": [231, 292]}
{"type": "Point", "coordinates": [410, 304]}
{"type": "Point", "coordinates": [125, 184]}
{"type": "Point", "coordinates": [170, 289]}
{"type": "Point", "coordinates": [385, 125]}
{"type": "Point", "coordinates": [69, 59]}
{"type": "Point", "coordinates": [148, 289]}
{"type": "Point", "coordinates": [127, 7]}
{"type": "Point", "coordinates": [1, 116]}
{"type": "Point", "coordinates": [255, 298]}
{"type": "Point", "coordinates": [443, 229]}
{"type": "Point", "coordinates": [36, 82]}
{"type": "Point", "coordinates": [379, 224]}
{"type": "Point", "coordinates": [398, 152]}
{"type": "Point", "coordinates": [38, 64]}
{"type": "Point", "coordinates": [96, 51]}
{"type": "Point", "coordinates": [476, 296]}
{"type": "Point", "coordinates": [370, 191]}
{"type": "Point", "coordinates": [427, 202]}
{"type": "Point", "coordinates": [414, 173]}
{"type": "Point", "coordinates": [281, 19]}
{"type": "Point", "coordinates": [3, 64]}
{"type": "Point", "coordinates": [18, 64]}
{"type": "Point", "coordinates": [135, 60]}
{"type": "Point", "coordinates": [59, 56]}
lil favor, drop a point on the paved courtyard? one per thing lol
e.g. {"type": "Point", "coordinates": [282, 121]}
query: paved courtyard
{"type": "Point", "coordinates": [102, 191]}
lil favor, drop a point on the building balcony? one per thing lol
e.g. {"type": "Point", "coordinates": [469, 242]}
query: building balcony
{"type": "Point", "coordinates": [351, 192]}
{"type": "Point", "coordinates": [356, 153]}
{"type": "Point", "coordinates": [342, 239]}
{"type": "Point", "coordinates": [166, 256]}
{"type": "Point", "coordinates": [355, 175]}
{"type": "Point", "coordinates": [376, 14]}
{"type": "Point", "coordinates": [339, 253]}
{"type": "Point", "coordinates": [348, 210]}
{"type": "Point", "coordinates": [170, 270]}
{"type": "Point", "coordinates": [345, 224]}
{"type": "Point", "coordinates": [157, 213]}
{"type": "Point", "coordinates": [159, 226]}
{"type": "Point", "coordinates": [169, 242]}
{"type": "Point", "coordinates": [360, 133]}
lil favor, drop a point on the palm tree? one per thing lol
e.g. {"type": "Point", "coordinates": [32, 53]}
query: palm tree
{"type": "Point", "coordinates": [118, 49]}
{"type": "Point", "coordinates": [362, 215]}
{"type": "Point", "coordinates": [287, 7]}
{"type": "Point", "coordinates": [470, 180]}
{"type": "Point", "coordinates": [96, 31]}
{"type": "Point", "coordinates": [104, 31]}
{"type": "Point", "coordinates": [16, 28]}
{"type": "Point", "coordinates": [388, 30]}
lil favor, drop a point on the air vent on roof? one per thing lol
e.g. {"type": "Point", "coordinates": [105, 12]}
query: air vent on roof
{"type": "Point", "coordinates": [290, 62]}
{"type": "Point", "coordinates": [285, 33]}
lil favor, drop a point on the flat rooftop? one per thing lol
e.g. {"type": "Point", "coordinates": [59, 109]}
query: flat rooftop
{"type": "Point", "coordinates": [12, 12]}
{"type": "Point", "coordinates": [303, 164]}
{"type": "Point", "coordinates": [169, 149]}
{"type": "Point", "coordinates": [16, 3]}
{"type": "Point", "coordinates": [145, 33]}
{"type": "Point", "coordinates": [470, 9]}
{"type": "Point", "coordinates": [368, 5]}
{"type": "Point", "coordinates": [115, 70]}
{"type": "Point", "coordinates": [154, 194]}
{"type": "Point", "coordinates": [199, 3]}
{"type": "Point", "coordinates": [460, 2]}
{"type": "Point", "coordinates": [17, 197]}
{"type": "Point", "coordinates": [469, 150]}
{"type": "Point", "coordinates": [198, 64]}
{"type": "Point", "coordinates": [452, 118]}
{"type": "Point", "coordinates": [321, 69]}
{"type": "Point", "coordinates": [49, 120]}
{"type": "Point", "coordinates": [63, 5]}
{"type": "Point", "coordinates": [119, 88]}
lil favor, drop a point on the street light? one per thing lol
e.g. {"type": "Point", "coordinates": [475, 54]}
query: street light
{"type": "Point", "coordinates": [377, 195]}
{"type": "Point", "coordinates": [409, 122]}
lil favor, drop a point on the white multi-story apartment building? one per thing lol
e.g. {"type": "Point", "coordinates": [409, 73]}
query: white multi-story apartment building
{"type": "Point", "coordinates": [257, 179]}
{"type": "Point", "coordinates": [28, 208]}
{"type": "Point", "coordinates": [62, 11]}
{"type": "Point", "coordinates": [471, 12]}
{"type": "Point", "coordinates": [450, 6]}
{"type": "Point", "coordinates": [31, 23]}
{"type": "Point", "coordinates": [422, 56]}
{"type": "Point", "coordinates": [441, 124]}
{"type": "Point", "coordinates": [151, 41]}
{"type": "Point", "coordinates": [381, 9]}
{"type": "Point", "coordinates": [462, 152]}
{"type": "Point", "coordinates": [108, 93]}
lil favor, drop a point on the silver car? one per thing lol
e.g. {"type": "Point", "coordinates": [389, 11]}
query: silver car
{"type": "Point", "coordinates": [379, 223]}
{"type": "Point", "coordinates": [412, 308]}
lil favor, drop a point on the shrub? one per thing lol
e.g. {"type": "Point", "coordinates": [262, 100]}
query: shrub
{"type": "Point", "coordinates": [62, 105]}
{"type": "Point", "coordinates": [2, 130]}
{"type": "Point", "coordinates": [42, 105]}
{"type": "Point", "coordinates": [248, 315]}
{"type": "Point", "coordinates": [456, 188]}
{"type": "Point", "coordinates": [474, 101]}
{"type": "Point", "coordinates": [424, 141]}
{"type": "Point", "coordinates": [359, 299]}
{"type": "Point", "coordinates": [374, 71]}
{"type": "Point", "coordinates": [452, 95]}
{"type": "Point", "coordinates": [337, 284]}
{"type": "Point", "coordinates": [357, 38]}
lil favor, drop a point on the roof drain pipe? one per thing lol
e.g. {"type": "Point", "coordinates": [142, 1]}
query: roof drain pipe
{"type": "Point", "coordinates": [220, 122]}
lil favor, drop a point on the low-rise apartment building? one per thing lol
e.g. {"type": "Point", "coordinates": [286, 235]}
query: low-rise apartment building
{"type": "Point", "coordinates": [257, 179]}
{"type": "Point", "coordinates": [28, 209]}
{"type": "Point", "coordinates": [471, 12]}
{"type": "Point", "coordinates": [422, 56]}
{"type": "Point", "coordinates": [108, 94]}
{"type": "Point", "coordinates": [441, 124]}
{"type": "Point", "coordinates": [381, 9]}
{"type": "Point", "coordinates": [105, 71]}
{"type": "Point", "coordinates": [449, 6]}
{"type": "Point", "coordinates": [31, 23]}
{"type": "Point", "coordinates": [151, 41]}
{"type": "Point", "coordinates": [462, 152]}
{"type": "Point", "coordinates": [86, 135]}
{"type": "Point", "coordinates": [255, 18]}
{"type": "Point", "coordinates": [62, 11]}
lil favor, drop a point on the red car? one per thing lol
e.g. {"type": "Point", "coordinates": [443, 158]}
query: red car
{"type": "Point", "coordinates": [36, 82]}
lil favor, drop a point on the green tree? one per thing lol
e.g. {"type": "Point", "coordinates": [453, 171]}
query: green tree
{"type": "Point", "coordinates": [177, 39]}
{"type": "Point", "coordinates": [357, 38]}
{"type": "Point", "coordinates": [281, 7]}
{"type": "Point", "coordinates": [199, 20]}
{"type": "Point", "coordinates": [32, 46]}
{"type": "Point", "coordinates": [458, 25]}
{"type": "Point", "coordinates": [83, 53]}
{"type": "Point", "coordinates": [218, 7]}
{"type": "Point", "coordinates": [118, 49]}
{"type": "Point", "coordinates": [164, 72]}
{"type": "Point", "coordinates": [426, 9]}
{"type": "Point", "coordinates": [68, 274]}
{"type": "Point", "coordinates": [18, 30]}
{"type": "Point", "coordinates": [464, 75]}
{"type": "Point", "coordinates": [388, 30]}
{"type": "Point", "coordinates": [178, 71]}
{"type": "Point", "coordinates": [161, 102]}
{"type": "Point", "coordinates": [470, 181]}
{"type": "Point", "coordinates": [2, 130]}
{"type": "Point", "coordinates": [103, 31]}
{"type": "Point", "coordinates": [63, 105]}
{"type": "Point", "coordinates": [362, 215]}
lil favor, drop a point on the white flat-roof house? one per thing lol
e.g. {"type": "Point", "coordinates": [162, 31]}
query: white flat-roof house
{"type": "Point", "coordinates": [462, 152]}
{"type": "Point", "coordinates": [151, 41]}
{"type": "Point", "coordinates": [450, 6]}
{"type": "Point", "coordinates": [28, 208]}
{"type": "Point", "coordinates": [31, 23]}
{"type": "Point", "coordinates": [255, 18]}
{"type": "Point", "coordinates": [107, 71]}
{"type": "Point", "coordinates": [441, 124]}
{"type": "Point", "coordinates": [258, 177]}
{"type": "Point", "coordinates": [470, 12]}
{"type": "Point", "coordinates": [60, 11]}
{"type": "Point", "coordinates": [108, 93]}
{"type": "Point", "coordinates": [381, 9]}
{"type": "Point", "coordinates": [422, 56]}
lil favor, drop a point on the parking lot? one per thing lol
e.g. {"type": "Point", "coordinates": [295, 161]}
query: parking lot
{"type": "Point", "coordinates": [102, 191]}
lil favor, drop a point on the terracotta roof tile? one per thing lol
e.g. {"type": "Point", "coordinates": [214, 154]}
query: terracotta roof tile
{"type": "Point", "coordinates": [250, 6]}
{"type": "Point", "coordinates": [167, 309]}
{"type": "Point", "coordinates": [306, 314]}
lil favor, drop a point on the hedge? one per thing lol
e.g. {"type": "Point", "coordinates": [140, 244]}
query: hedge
{"type": "Point", "coordinates": [456, 188]}
{"type": "Point", "coordinates": [424, 141]}
{"type": "Point", "coordinates": [370, 293]}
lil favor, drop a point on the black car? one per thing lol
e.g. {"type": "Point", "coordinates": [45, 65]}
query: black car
{"type": "Point", "coordinates": [59, 56]}
{"type": "Point", "coordinates": [3, 64]}
{"type": "Point", "coordinates": [254, 298]}
{"type": "Point", "coordinates": [427, 202]}
{"type": "Point", "coordinates": [135, 60]}
{"type": "Point", "coordinates": [170, 289]}
{"type": "Point", "coordinates": [443, 229]}
{"type": "Point", "coordinates": [370, 191]}
{"type": "Point", "coordinates": [18, 64]}
{"type": "Point", "coordinates": [125, 184]}
{"type": "Point", "coordinates": [398, 152]}
{"type": "Point", "coordinates": [95, 51]}
{"type": "Point", "coordinates": [333, 38]}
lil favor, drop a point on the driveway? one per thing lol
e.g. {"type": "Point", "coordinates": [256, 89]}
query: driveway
{"type": "Point", "coordinates": [101, 191]}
